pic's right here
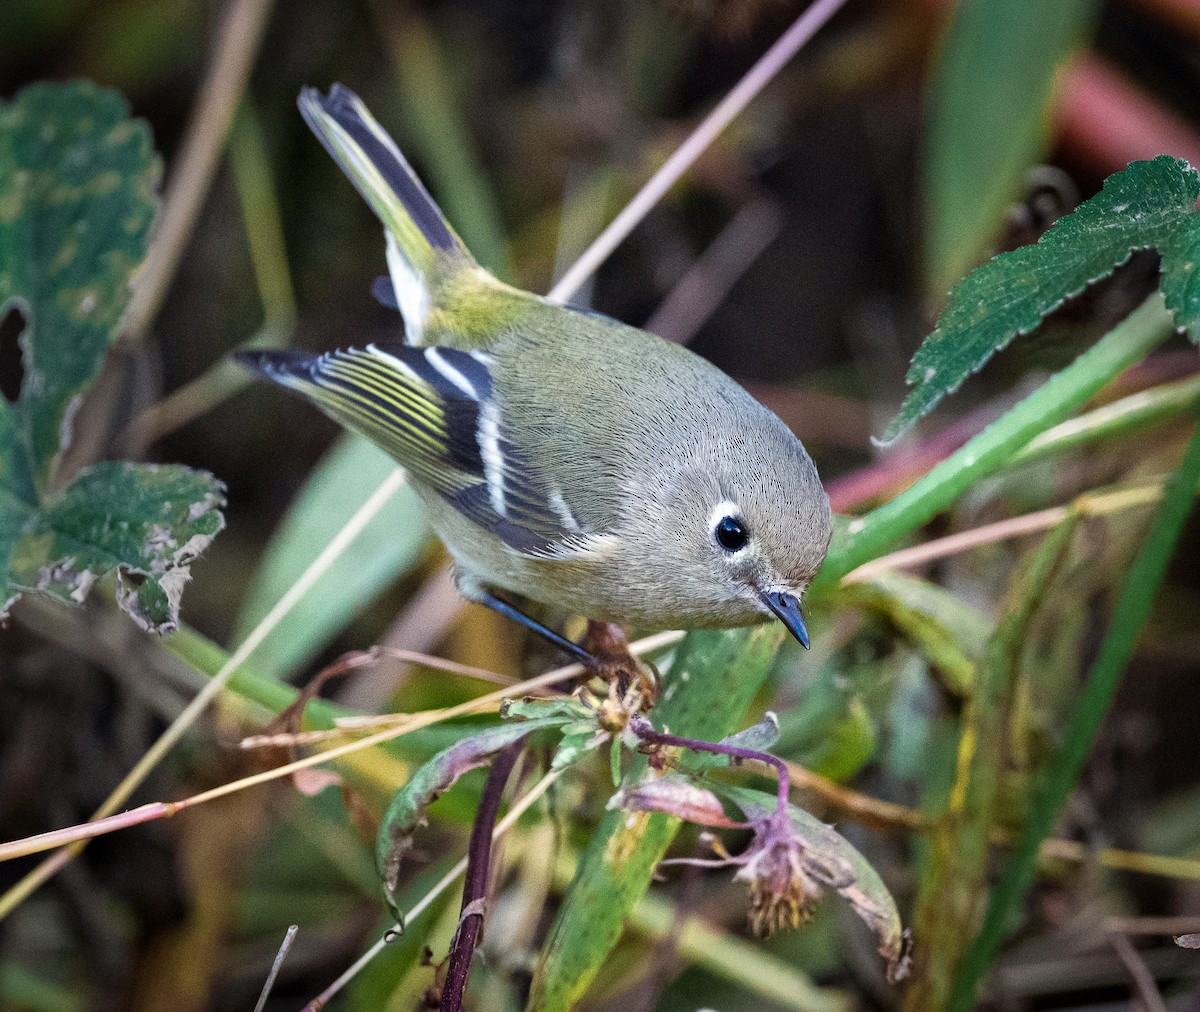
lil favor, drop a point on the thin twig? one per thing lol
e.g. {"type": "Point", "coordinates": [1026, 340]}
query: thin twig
{"type": "Point", "coordinates": [280, 956]}
{"type": "Point", "coordinates": [1144, 985]}
{"type": "Point", "coordinates": [479, 860]}
{"type": "Point", "coordinates": [643, 729]}
{"type": "Point", "coordinates": [240, 37]}
{"type": "Point", "coordinates": [768, 65]}
{"type": "Point", "coordinates": [444, 883]}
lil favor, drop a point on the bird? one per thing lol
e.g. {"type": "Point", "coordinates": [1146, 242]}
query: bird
{"type": "Point", "coordinates": [563, 457]}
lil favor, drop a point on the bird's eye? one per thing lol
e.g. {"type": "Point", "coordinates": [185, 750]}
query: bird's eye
{"type": "Point", "coordinates": [730, 534]}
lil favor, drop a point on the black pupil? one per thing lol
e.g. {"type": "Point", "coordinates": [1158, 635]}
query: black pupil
{"type": "Point", "coordinates": [731, 535]}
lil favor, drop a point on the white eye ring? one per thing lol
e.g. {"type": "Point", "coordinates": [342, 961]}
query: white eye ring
{"type": "Point", "coordinates": [727, 528]}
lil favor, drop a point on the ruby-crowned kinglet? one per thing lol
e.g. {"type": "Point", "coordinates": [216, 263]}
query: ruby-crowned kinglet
{"type": "Point", "coordinates": [561, 455]}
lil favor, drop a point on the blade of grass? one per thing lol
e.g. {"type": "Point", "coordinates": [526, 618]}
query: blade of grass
{"type": "Point", "coordinates": [1133, 608]}
{"type": "Point", "coordinates": [955, 879]}
{"type": "Point", "coordinates": [440, 135]}
{"type": "Point", "coordinates": [1147, 407]}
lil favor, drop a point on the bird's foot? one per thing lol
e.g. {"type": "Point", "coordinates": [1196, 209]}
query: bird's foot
{"type": "Point", "coordinates": [633, 683]}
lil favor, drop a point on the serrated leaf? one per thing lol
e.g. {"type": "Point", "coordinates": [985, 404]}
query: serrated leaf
{"type": "Point", "coordinates": [988, 120]}
{"type": "Point", "coordinates": [77, 182]}
{"type": "Point", "coordinates": [388, 547]}
{"type": "Point", "coordinates": [1149, 204]}
{"type": "Point", "coordinates": [147, 522]}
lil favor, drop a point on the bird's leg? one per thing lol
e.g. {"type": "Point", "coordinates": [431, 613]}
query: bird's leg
{"type": "Point", "coordinates": [577, 652]}
{"type": "Point", "coordinates": [627, 675]}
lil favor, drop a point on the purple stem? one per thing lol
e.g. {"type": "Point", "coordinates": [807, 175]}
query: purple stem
{"type": "Point", "coordinates": [641, 727]}
{"type": "Point", "coordinates": [479, 859]}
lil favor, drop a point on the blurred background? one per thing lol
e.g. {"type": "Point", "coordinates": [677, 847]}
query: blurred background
{"type": "Point", "coordinates": [807, 254]}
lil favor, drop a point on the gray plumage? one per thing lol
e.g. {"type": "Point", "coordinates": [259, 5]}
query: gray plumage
{"type": "Point", "coordinates": [562, 455]}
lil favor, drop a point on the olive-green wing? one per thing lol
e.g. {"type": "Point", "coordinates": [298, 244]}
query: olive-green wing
{"type": "Point", "coordinates": [434, 411]}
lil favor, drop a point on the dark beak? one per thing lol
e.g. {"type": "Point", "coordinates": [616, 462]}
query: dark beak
{"type": "Point", "coordinates": [787, 610]}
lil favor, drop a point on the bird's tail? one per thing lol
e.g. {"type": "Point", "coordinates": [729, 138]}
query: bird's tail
{"type": "Point", "coordinates": [423, 251]}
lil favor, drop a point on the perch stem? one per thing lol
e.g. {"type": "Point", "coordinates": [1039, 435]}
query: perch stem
{"type": "Point", "coordinates": [479, 857]}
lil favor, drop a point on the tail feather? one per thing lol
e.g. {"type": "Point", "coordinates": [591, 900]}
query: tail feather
{"type": "Point", "coordinates": [419, 239]}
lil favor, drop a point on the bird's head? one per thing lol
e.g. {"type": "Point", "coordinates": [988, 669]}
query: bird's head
{"type": "Point", "coordinates": [747, 526]}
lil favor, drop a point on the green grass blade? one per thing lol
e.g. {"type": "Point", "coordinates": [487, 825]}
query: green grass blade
{"type": "Point", "coordinates": [1133, 607]}
{"type": "Point", "coordinates": [440, 137]}
{"type": "Point", "coordinates": [949, 901]}
{"type": "Point", "coordinates": [389, 546]}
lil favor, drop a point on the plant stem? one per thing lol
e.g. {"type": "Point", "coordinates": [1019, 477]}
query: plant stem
{"type": "Point", "coordinates": [479, 859]}
{"type": "Point", "coordinates": [1147, 407]}
{"type": "Point", "coordinates": [641, 727]}
{"type": "Point", "coordinates": [1133, 607]}
{"type": "Point", "coordinates": [1130, 341]}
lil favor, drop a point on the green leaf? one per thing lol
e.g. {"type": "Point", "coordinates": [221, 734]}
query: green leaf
{"type": "Point", "coordinates": [1138, 593]}
{"type": "Point", "coordinates": [988, 120]}
{"type": "Point", "coordinates": [147, 522]}
{"type": "Point", "coordinates": [77, 182]}
{"type": "Point", "coordinates": [950, 633]}
{"type": "Point", "coordinates": [1149, 204]}
{"type": "Point", "coordinates": [427, 784]}
{"type": "Point", "coordinates": [389, 546]}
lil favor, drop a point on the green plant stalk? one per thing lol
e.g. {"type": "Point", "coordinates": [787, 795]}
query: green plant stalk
{"type": "Point", "coordinates": [1147, 407]}
{"type": "Point", "coordinates": [259, 203]}
{"type": "Point", "coordinates": [1133, 608]}
{"type": "Point", "coordinates": [1125, 345]}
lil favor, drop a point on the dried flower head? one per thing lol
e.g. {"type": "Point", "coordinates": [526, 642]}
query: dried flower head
{"type": "Point", "coordinates": [785, 877]}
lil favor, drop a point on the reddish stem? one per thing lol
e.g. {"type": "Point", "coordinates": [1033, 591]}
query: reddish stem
{"type": "Point", "coordinates": [641, 727]}
{"type": "Point", "coordinates": [475, 886]}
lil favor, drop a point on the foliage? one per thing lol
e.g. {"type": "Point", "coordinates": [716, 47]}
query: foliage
{"type": "Point", "coordinates": [966, 684]}
{"type": "Point", "coordinates": [1150, 204]}
{"type": "Point", "coordinates": [77, 181]}
{"type": "Point", "coordinates": [990, 99]}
